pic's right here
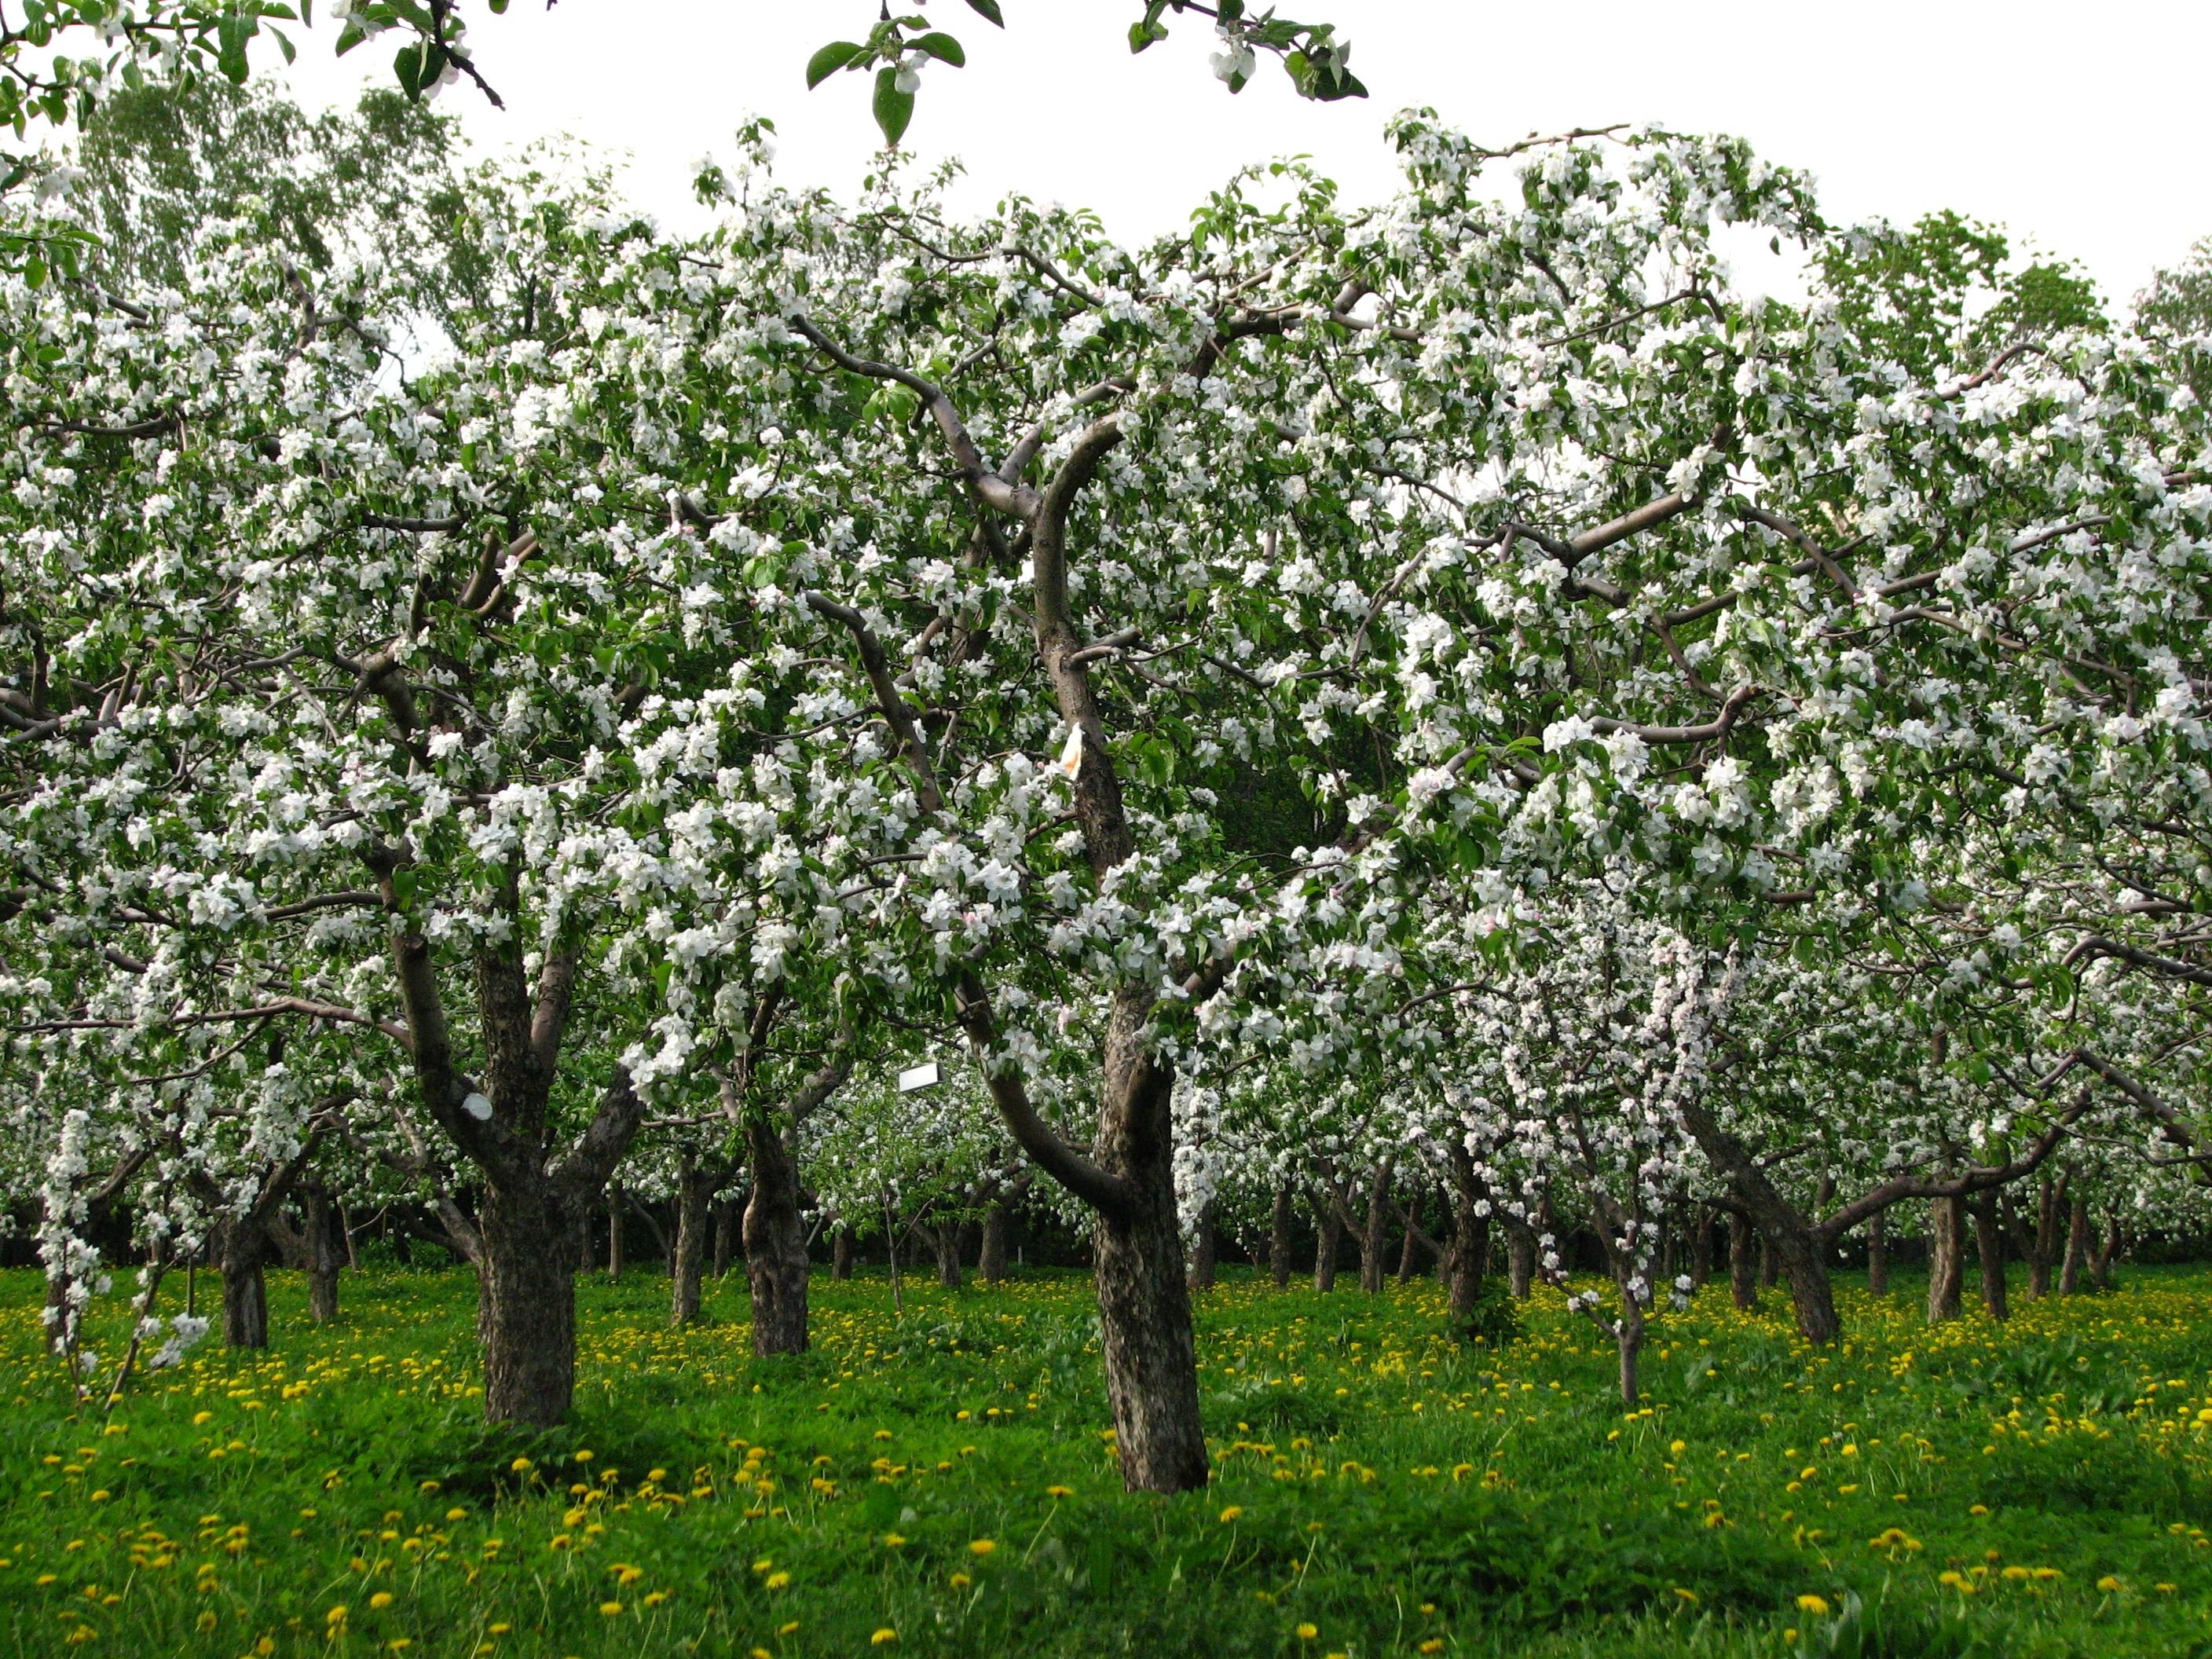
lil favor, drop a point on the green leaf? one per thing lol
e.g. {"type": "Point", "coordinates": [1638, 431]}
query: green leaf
{"type": "Point", "coordinates": [34, 272]}
{"type": "Point", "coordinates": [943, 47]}
{"type": "Point", "coordinates": [894, 108]}
{"type": "Point", "coordinates": [831, 58]}
{"type": "Point", "coordinates": [1144, 34]}
{"type": "Point", "coordinates": [987, 10]}
{"type": "Point", "coordinates": [233, 31]}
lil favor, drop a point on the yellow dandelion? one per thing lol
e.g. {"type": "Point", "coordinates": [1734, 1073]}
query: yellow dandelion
{"type": "Point", "coordinates": [1059, 1492]}
{"type": "Point", "coordinates": [611, 1609]}
{"type": "Point", "coordinates": [980, 1548]}
{"type": "Point", "coordinates": [1307, 1632]}
{"type": "Point", "coordinates": [778, 1580]}
{"type": "Point", "coordinates": [380, 1600]}
{"type": "Point", "coordinates": [1815, 1605]}
{"type": "Point", "coordinates": [1235, 1511]}
{"type": "Point", "coordinates": [886, 1634]}
{"type": "Point", "coordinates": [961, 1580]}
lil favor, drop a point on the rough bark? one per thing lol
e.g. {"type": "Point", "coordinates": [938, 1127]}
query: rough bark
{"type": "Point", "coordinates": [1329, 1238]}
{"type": "Point", "coordinates": [1701, 1248]}
{"type": "Point", "coordinates": [2077, 1248]}
{"type": "Point", "coordinates": [1743, 1264]}
{"type": "Point", "coordinates": [1770, 1263]}
{"type": "Point", "coordinates": [1878, 1256]}
{"type": "Point", "coordinates": [2045, 1239]}
{"type": "Point", "coordinates": [840, 1254]}
{"type": "Point", "coordinates": [2108, 1252]}
{"type": "Point", "coordinates": [1144, 1300]}
{"type": "Point", "coordinates": [775, 1243]}
{"type": "Point", "coordinates": [242, 1251]}
{"type": "Point", "coordinates": [1520, 1259]}
{"type": "Point", "coordinates": [617, 1220]}
{"type": "Point", "coordinates": [1279, 1237]}
{"type": "Point", "coordinates": [991, 1257]}
{"type": "Point", "coordinates": [1988, 1248]}
{"type": "Point", "coordinates": [695, 1197]}
{"type": "Point", "coordinates": [1467, 1259]}
{"type": "Point", "coordinates": [945, 1239]}
{"type": "Point", "coordinates": [321, 1255]}
{"type": "Point", "coordinates": [1204, 1247]}
{"type": "Point", "coordinates": [1946, 1259]}
{"type": "Point", "coordinates": [726, 1236]}
{"type": "Point", "coordinates": [1372, 1239]}
{"type": "Point", "coordinates": [528, 1306]}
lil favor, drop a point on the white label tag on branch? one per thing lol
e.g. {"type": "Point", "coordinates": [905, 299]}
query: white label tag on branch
{"type": "Point", "coordinates": [918, 1077]}
{"type": "Point", "coordinates": [1071, 752]}
{"type": "Point", "coordinates": [477, 1107]}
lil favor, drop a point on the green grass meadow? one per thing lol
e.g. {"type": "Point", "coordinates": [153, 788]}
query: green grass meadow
{"type": "Point", "coordinates": [943, 1483]}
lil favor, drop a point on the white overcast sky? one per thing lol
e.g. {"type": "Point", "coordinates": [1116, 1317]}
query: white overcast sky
{"type": "Point", "coordinates": [2085, 130]}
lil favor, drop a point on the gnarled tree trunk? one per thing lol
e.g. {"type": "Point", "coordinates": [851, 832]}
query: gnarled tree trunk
{"type": "Point", "coordinates": [1878, 1255]}
{"type": "Point", "coordinates": [1988, 1247]}
{"type": "Point", "coordinates": [694, 1196]}
{"type": "Point", "coordinates": [1328, 1239]}
{"type": "Point", "coordinates": [2108, 1252]}
{"type": "Point", "coordinates": [1467, 1258]}
{"type": "Point", "coordinates": [945, 1239]}
{"type": "Point", "coordinates": [1203, 1247]}
{"type": "Point", "coordinates": [242, 1251]}
{"type": "Point", "coordinates": [1520, 1258]}
{"type": "Point", "coordinates": [991, 1257]}
{"type": "Point", "coordinates": [775, 1243]}
{"type": "Point", "coordinates": [1372, 1239]}
{"type": "Point", "coordinates": [1279, 1237]}
{"type": "Point", "coordinates": [527, 1309]}
{"type": "Point", "coordinates": [1946, 1270]}
{"type": "Point", "coordinates": [618, 1221]}
{"type": "Point", "coordinates": [1701, 1248]}
{"type": "Point", "coordinates": [726, 1236]}
{"type": "Point", "coordinates": [2077, 1248]}
{"type": "Point", "coordinates": [841, 1253]}
{"type": "Point", "coordinates": [1144, 1299]}
{"type": "Point", "coordinates": [1743, 1263]}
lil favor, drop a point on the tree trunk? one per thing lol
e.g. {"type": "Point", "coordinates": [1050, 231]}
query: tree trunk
{"type": "Point", "coordinates": [1701, 1248]}
{"type": "Point", "coordinates": [944, 1237]}
{"type": "Point", "coordinates": [991, 1259]}
{"type": "Point", "coordinates": [618, 1216]}
{"type": "Point", "coordinates": [242, 1252]}
{"type": "Point", "coordinates": [726, 1236]}
{"type": "Point", "coordinates": [2044, 1241]}
{"type": "Point", "coordinates": [1406, 1259]}
{"type": "Point", "coordinates": [1467, 1259]}
{"type": "Point", "coordinates": [1373, 1241]}
{"type": "Point", "coordinates": [841, 1253]}
{"type": "Point", "coordinates": [1328, 1236]}
{"type": "Point", "coordinates": [2100, 1264]}
{"type": "Point", "coordinates": [1278, 1238]}
{"type": "Point", "coordinates": [1143, 1296]}
{"type": "Point", "coordinates": [1770, 1262]}
{"type": "Point", "coordinates": [1520, 1259]}
{"type": "Point", "coordinates": [320, 1236]}
{"type": "Point", "coordinates": [1628, 1338]}
{"type": "Point", "coordinates": [527, 1310]}
{"type": "Point", "coordinates": [2077, 1248]}
{"type": "Point", "coordinates": [695, 1197]}
{"type": "Point", "coordinates": [1878, 1255]}
{"type": "Point", "coordinates": [1989, 1248]}
{"type": "Point", "coordinates": [1203, 1246]}
{"type": "Point", "coordinates": [1743, 1264]}
{"type": "Point", "coordinates": [775, 1245]}
{"type": "Point", "coordinates": [1946, 1269]}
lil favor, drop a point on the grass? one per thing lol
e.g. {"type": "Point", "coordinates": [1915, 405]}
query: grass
{"type": "Point", "coordinates": [2042, 1488]}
